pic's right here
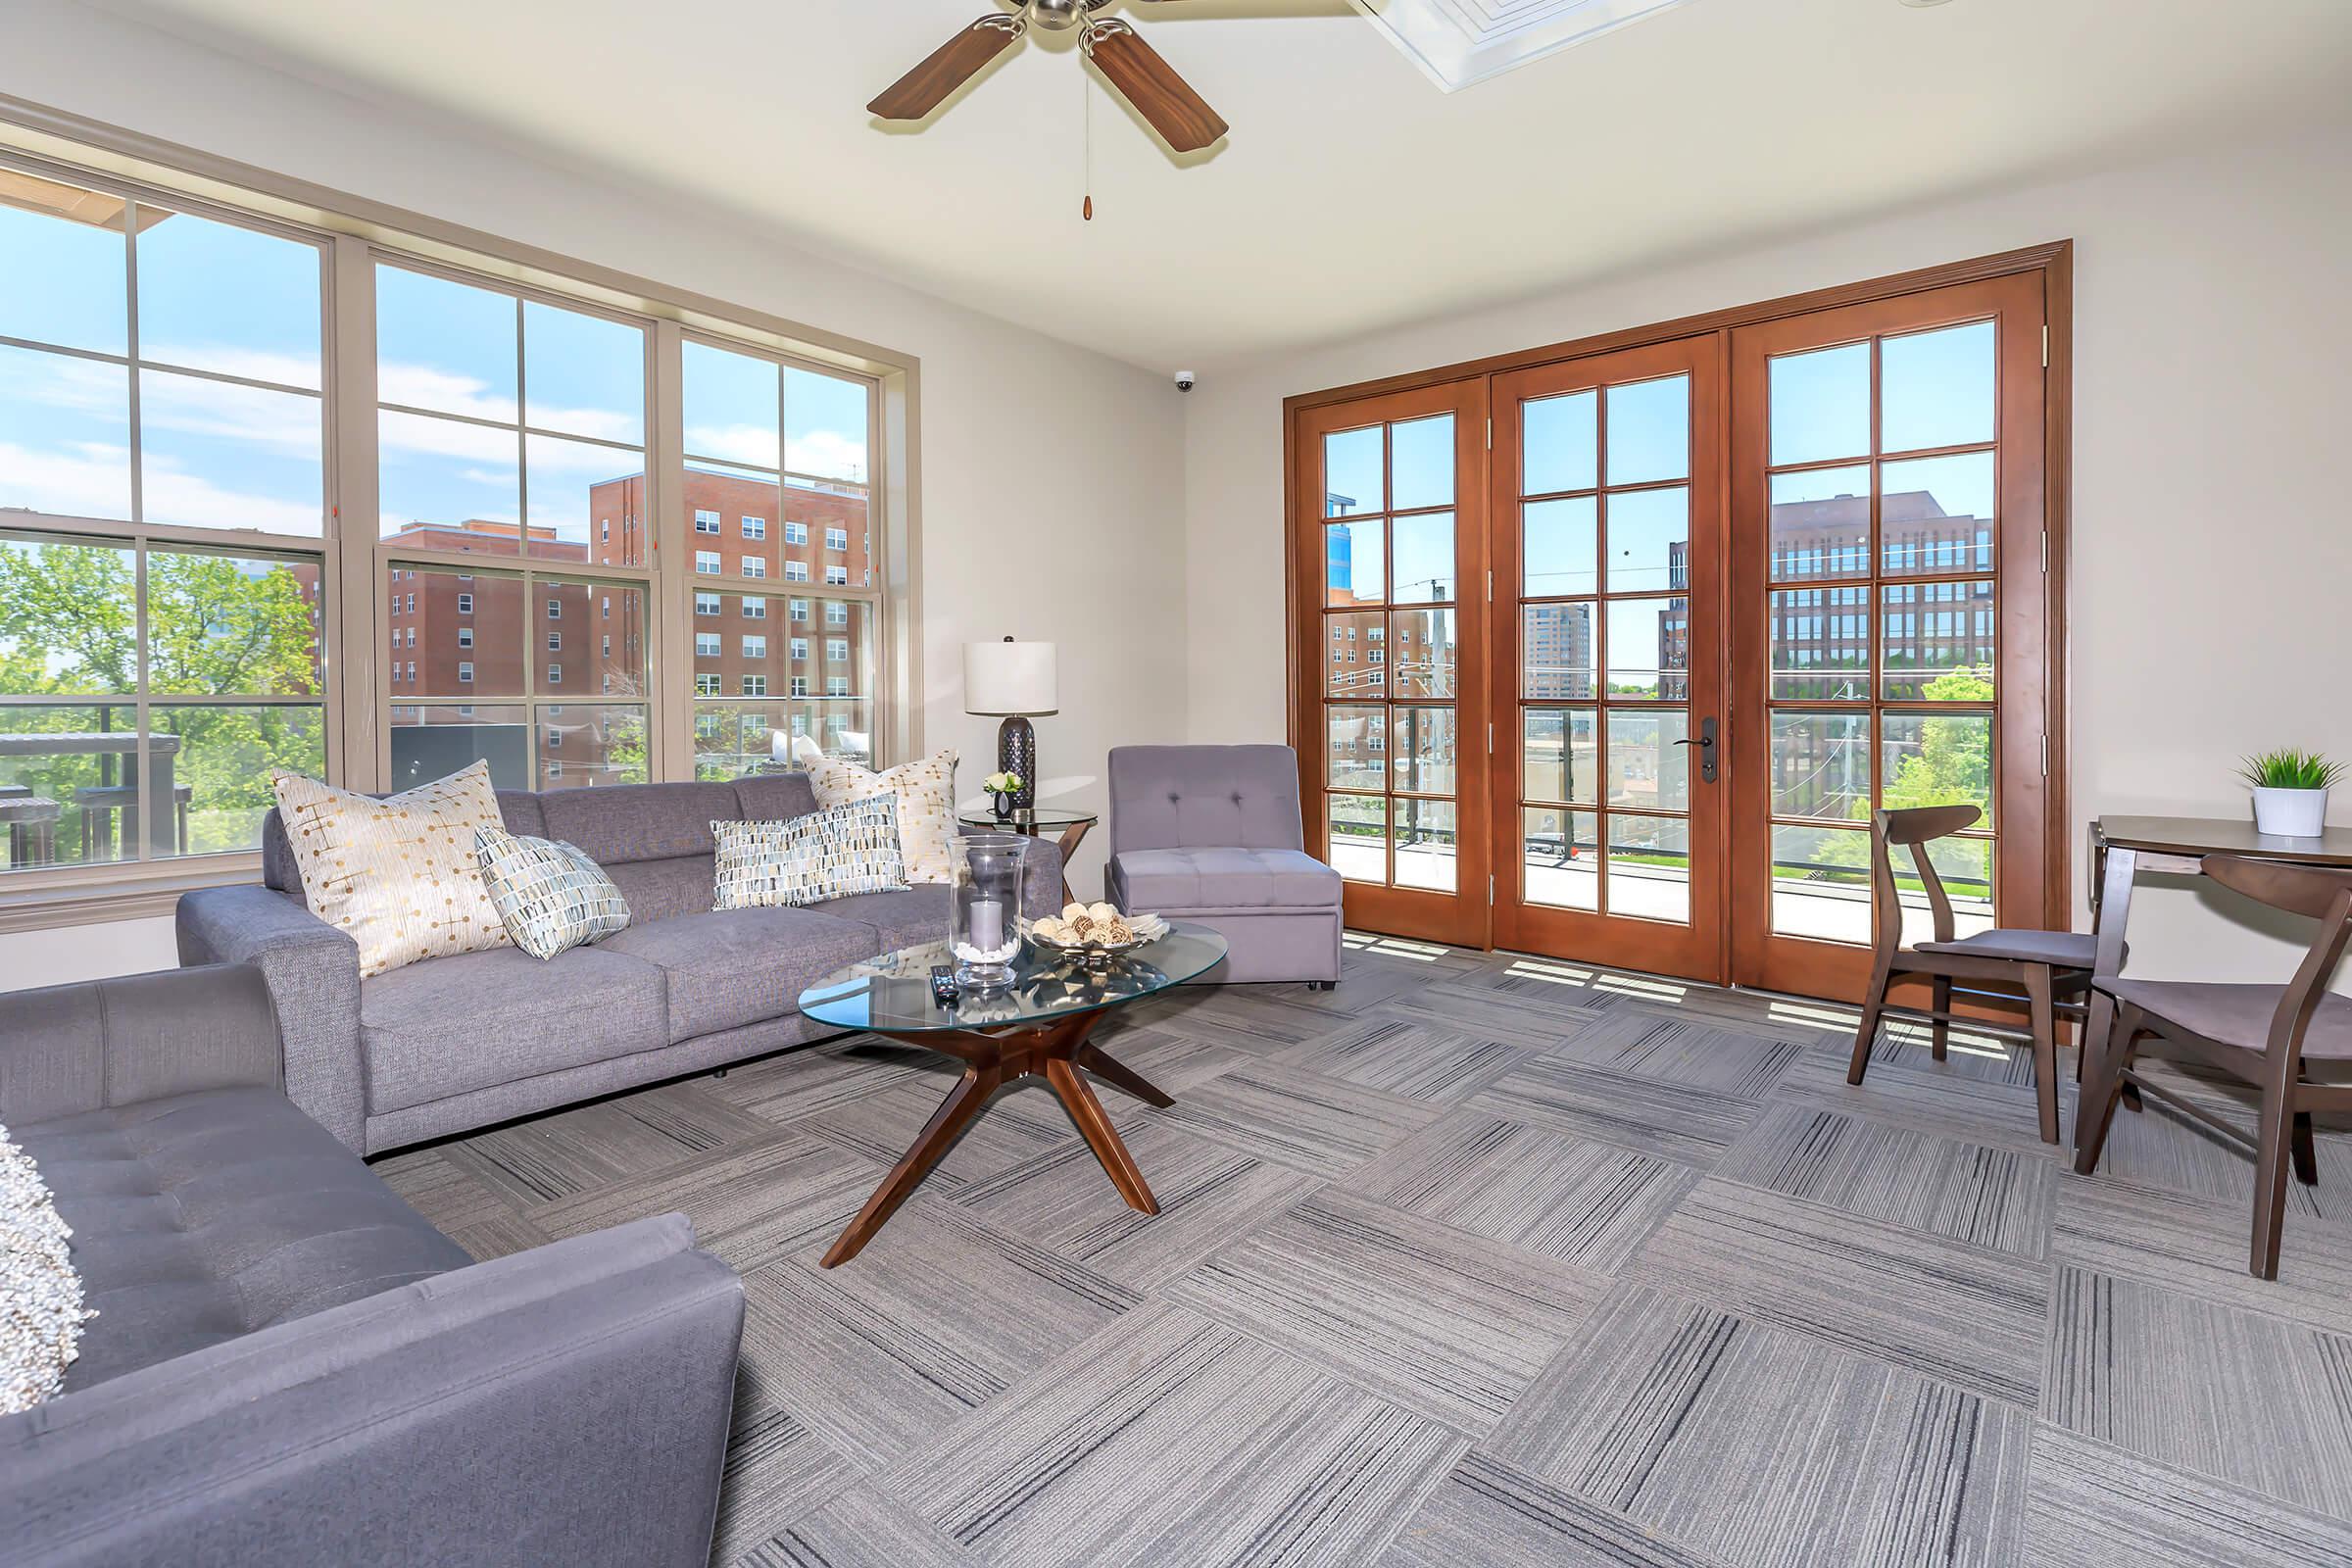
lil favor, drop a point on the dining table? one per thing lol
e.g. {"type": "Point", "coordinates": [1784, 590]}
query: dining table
{"type": "Point", "coordinates": [161, 749]}
{"type": "Point", "coordinates": [2124, 846]}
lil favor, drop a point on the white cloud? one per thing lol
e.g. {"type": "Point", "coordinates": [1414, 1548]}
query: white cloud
{"type": "Point", "coordinates": [751, 444]}
{"type": "Point", "coordinates": [254, 365]}
{"type": "Point", "coordinates": [92, 480]}
{"type": "Point", "coordinates": [280, 420]}
{"type": "Point", "coordinates": [426, 386]}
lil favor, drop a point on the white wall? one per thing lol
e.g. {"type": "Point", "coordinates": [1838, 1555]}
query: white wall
{"type": "Point", "coordinates": [1052, 477]}
{"type": "Point", "coordinates": [2212, 565]}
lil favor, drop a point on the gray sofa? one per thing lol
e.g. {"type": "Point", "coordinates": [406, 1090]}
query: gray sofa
{"type": "Point", "coordinates": [454, 1044]}
{"type": "Point", "coordinates": [290, 1367]}
{"type": "Point", "coordinates": [1212, 833]}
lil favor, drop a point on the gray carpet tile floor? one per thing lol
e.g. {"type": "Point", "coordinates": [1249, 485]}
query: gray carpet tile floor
{"type": "Point", "coordinates": [1483, 1261]}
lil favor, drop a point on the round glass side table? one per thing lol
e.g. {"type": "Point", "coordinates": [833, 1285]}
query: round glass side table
{"type": "Point", "coordinates": [1071, 825]}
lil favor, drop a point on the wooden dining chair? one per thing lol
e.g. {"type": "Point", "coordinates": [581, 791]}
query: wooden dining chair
{"type": "Point", "coordinates": [2037, 968]}
{"type": "Point", "coordinates": [2265, 1035]}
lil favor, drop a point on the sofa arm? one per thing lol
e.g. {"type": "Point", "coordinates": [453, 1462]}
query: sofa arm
{"type": "Point", "coordinates": [313, 971]}
{"type": "Point", "coordinates": [65, 1049]}
{"type": "Point", "coordinates": [568, 1404]}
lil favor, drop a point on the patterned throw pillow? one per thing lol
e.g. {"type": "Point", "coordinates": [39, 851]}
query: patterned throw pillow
{"type": "Point", "coordinates": [551, 895]}
{"type": "Point", "coordinates": [926, 795]}
{"type": "Point", "coordinates": [825, 854]}
{"type": "Point", "coordinates": [398, 874]}
{"type": "Point", "coordinates": [40, 1295]}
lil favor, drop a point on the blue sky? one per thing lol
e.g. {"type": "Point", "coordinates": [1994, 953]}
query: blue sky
{"type": "Point", "coordinates": [232, 301]}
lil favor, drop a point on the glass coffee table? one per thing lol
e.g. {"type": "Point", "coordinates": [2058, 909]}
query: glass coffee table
{"type": "Point", "coordinates": [1035, 1027]}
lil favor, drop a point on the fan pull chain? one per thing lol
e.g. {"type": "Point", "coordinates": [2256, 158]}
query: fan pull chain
{"type": "Point", "coordinates": [1088, 113]}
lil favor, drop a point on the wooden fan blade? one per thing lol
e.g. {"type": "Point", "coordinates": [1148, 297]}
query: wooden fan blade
{"type": "Point", "coordinates": [1181, 115]}
{"type": "Point", "coordinates": [950, 66]}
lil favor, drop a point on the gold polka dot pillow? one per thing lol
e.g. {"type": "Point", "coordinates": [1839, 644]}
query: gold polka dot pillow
{"type": "Point", "coordinates": [926, 795]}
{"type": "Point", "coordinates": [398, 874]}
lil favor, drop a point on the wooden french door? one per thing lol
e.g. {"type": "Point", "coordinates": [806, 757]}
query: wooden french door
{"type": "Point", "coordinates": [1606, 656]}
{"type": "Point", "coordinates": [1387, 575]}
{"type": "Point", "coordinates": [1891, 619]}
{"type": "Point", "coordinates": [1619, 674]}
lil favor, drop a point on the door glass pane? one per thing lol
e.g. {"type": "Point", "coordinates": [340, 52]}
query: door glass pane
{"type": "Point", "coordinates": [62, 269]}
{"type": "Point", "coordinates": [1353, 562]}
{"type": "Point", "coordinates": [1965, 867]}
{"type": "Point", "coordinates": [1649, 540]}
{"type": "Point", "coordinates": [1649, 867]}
{"type": "Point", "coordinates": [1360, 837]}
{"type": "Point", "coordinates": [1562, 544]}
{"type": "Point", "coordinates": [1424, 565]}
{"type": "Point", "coordinates": [1821, 883]}
{"type": "Point", "coordinates": [1421, 653]}
{"type": "Point", "coordinates": [584, 375]}
{"type": "Point", "coordinates": [1426, 834]}
{"type": "Point", "coordinates": [1357, 747]}
{"type": "Point", "coordinates": [1937, 514]}
{"type": "Point", "coordinates": [1936, 389]}
{"type": "Point", "coordinates": [1937, 759]}
{"type": "Point", "coordinates": [1649, 648]}
{"type": "Point", "coordinates": [1820, 523]}
{"type": "Point", "coordinates": [1354, 647]}
{"type": "Point", "coordinates": [1821, 643]}
{"type": "Point", "coordinates": [1560, 444]}
{"type": "Point", "coordinates": [1557, 652]}
{"type": "Point", "coordinates": [1937, 643]}
{"type": "Point", "coordinates": [217, 297]}
{"type": "Point", "coordinates": [1820, 765]}
{"type": "Point", "coordinates": [1561, 856]}
{"type": "Point", "coordinates": [67, 422]}
{"type": "Point", "coordinates": [1648, 769]}
{"type": "Point", "coordinates": [1560, 755]}
{"type": "Point", "coordinates": [1421, 463]}
{"type": "Point", "coordinates": [1421, 750]}
{"type": "Point", "coordinates": [445, 346]}
{"type": "Point", "coordinates": [1649, 430]}
{"type": "Point", "coordinates": [216, 455]}
{"type": "Point", "coordinates": [1821, 405]}
{"type": "Point", "coordinates": [1352, 461]}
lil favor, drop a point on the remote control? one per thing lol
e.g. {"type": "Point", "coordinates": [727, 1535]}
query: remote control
{"type": "Point", "coordinates": [943, 989]}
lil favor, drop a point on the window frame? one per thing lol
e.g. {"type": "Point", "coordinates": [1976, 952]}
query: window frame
{"type": "Point", "coordinates": [354, 233]}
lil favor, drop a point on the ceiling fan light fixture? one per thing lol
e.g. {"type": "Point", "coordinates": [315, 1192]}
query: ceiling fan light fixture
{"type": "Point", "coordinates": [1457, 46]}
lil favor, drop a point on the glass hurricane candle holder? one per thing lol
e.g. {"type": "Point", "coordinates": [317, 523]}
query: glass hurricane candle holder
{"type": "Point", "coordinates": [984, 914]}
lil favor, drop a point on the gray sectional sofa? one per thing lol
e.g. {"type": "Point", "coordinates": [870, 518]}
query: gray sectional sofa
{"type": "Point", "coordinates": [459, 1043]}
{"type": "Point", "coordinates": [290, 1367]}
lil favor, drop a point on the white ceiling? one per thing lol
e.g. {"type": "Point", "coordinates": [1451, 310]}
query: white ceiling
{"type": "Point", "coordinates": [1351, 194]}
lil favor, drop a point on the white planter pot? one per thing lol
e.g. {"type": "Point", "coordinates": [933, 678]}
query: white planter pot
{"type": "Point", "coordinates": [2290, 814]}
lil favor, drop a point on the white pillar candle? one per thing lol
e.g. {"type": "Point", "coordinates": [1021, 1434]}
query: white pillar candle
{"type": "Point", "coordinates": [988, 924]}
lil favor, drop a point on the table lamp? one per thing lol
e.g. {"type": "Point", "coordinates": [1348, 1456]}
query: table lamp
{"type": "Point", "coordinates": [1015, 680]}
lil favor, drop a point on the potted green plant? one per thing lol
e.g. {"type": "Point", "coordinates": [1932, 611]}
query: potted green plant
{"type": "Point", "coordinates": [2290, 791]}
{"type": "Point", "coordinates": [1002, 786]}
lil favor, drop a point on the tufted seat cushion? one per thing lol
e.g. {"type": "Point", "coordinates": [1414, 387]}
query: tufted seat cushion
{"type": "Point", "coordinates": [201, 1217]}
{"type": "Point", "coordinates": [1161, 880]}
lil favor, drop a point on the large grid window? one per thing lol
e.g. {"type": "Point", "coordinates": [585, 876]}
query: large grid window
{"type": "Point", "coordinates": [765, 437]}
{"type": "Point", "coordinates": [162, 471]}
{"type": "Point", "coordinates": [1882, 616]}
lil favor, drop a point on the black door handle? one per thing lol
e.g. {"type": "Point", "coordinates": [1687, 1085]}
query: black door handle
{"type": "Point", "coordinates": [1706, 750]}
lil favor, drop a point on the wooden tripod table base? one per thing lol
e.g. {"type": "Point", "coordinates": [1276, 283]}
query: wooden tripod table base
{"type": "Point", "coordinates": [1053, 1051]}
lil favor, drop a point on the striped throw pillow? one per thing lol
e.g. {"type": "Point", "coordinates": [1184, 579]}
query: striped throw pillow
{"type": "Point", "coordinates": [826, 855]}
{"type": "Point", "coordinates": [552, 897]}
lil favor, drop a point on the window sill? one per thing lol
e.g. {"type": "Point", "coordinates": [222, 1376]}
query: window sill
{"type": "Point", "coordinates": [105, 894]}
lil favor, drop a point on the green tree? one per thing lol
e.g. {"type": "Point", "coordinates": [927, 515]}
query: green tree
{"type": "Point", "coordinates": [216, 626]}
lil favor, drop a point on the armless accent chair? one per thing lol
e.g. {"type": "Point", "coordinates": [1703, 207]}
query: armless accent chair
{"type": "Point", "coordinates": [2268, 1036]}
{"type": "Point", "coordinates": [2042, 966]}
{"type": "Point", "coordinates": [1212, 834]}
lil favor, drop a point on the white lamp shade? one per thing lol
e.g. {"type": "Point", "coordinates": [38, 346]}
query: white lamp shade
{"type": "Point", "coordinates": [1010, 678]}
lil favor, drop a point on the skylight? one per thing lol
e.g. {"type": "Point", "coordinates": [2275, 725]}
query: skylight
{"type": "Point", "coordinates": [1458, 42]}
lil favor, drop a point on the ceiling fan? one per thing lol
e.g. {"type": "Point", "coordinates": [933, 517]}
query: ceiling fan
{"type": "Point", "coordinates": [1181, 116]}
